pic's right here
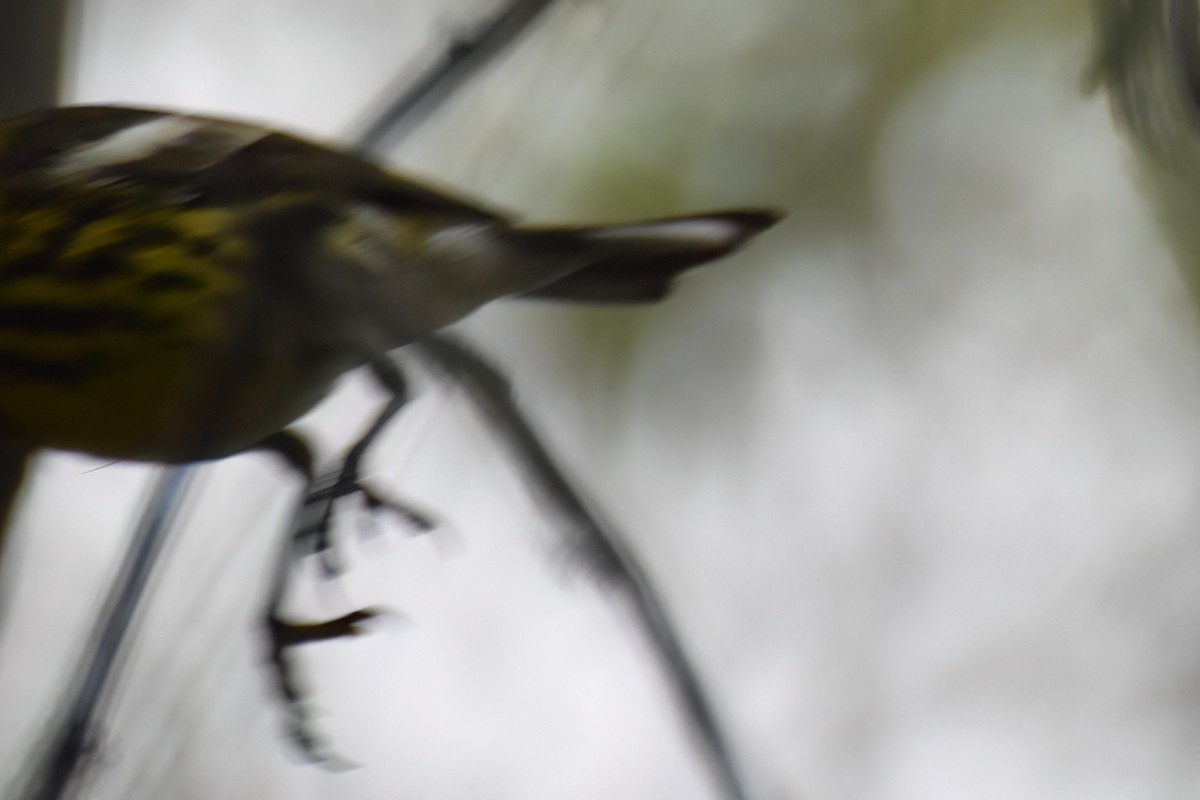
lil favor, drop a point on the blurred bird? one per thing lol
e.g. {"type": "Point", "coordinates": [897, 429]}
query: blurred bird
{"type": "Point", "coordinates": [177, 288]}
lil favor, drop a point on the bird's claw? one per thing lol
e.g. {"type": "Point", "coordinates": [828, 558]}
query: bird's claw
{"type": "Point", "coordinates": [316, 515]}
{"type": "Point", "coordinates": [283, 635]}
{"type": "Point", "coordinates": [286, 634]}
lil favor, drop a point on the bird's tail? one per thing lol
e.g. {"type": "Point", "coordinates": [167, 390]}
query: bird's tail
{"type": "Point", "coordinates": [638, 262]}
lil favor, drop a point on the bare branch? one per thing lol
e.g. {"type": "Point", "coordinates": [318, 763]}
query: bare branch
{"type": "Point", "coordinates": [462, 59]}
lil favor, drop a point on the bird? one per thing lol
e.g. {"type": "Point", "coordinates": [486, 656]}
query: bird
{"type": "Point", "coordinates": [179, 288]}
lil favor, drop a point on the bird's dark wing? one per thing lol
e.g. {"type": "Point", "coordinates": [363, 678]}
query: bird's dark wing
{"type": "Point", "coordinates": [200, 160]}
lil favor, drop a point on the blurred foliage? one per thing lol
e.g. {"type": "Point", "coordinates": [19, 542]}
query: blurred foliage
{"type": "Point", "coordinates": [1148, 63]}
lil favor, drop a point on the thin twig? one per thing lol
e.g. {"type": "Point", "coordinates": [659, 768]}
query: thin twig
{"type": "Point", "coordinates": [461, 59]}
{"type": "Point", "coordinates": [603, 547]}
{"type": "Point", "coordinates": [73, 736]}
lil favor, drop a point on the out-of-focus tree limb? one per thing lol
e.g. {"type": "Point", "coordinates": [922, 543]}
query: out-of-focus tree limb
{"type": "Point", "coordinates": [31, 36]}
{"type": "Point", "coordinates": [602, 549]}
{"type": "Point", "coordinates": [465, 56]}
{"type": "Point", "coordinates": [31, 50]}
{"type": "Point", "coordinates": [72, 736]}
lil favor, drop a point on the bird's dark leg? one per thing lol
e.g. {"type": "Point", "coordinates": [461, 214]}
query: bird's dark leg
{"type": "Point", "coordinates": [309, 534]}
{"type": "Point", "coordinates": [316, 516]}
{"type": "Point", "coordinates": [282, 634]}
